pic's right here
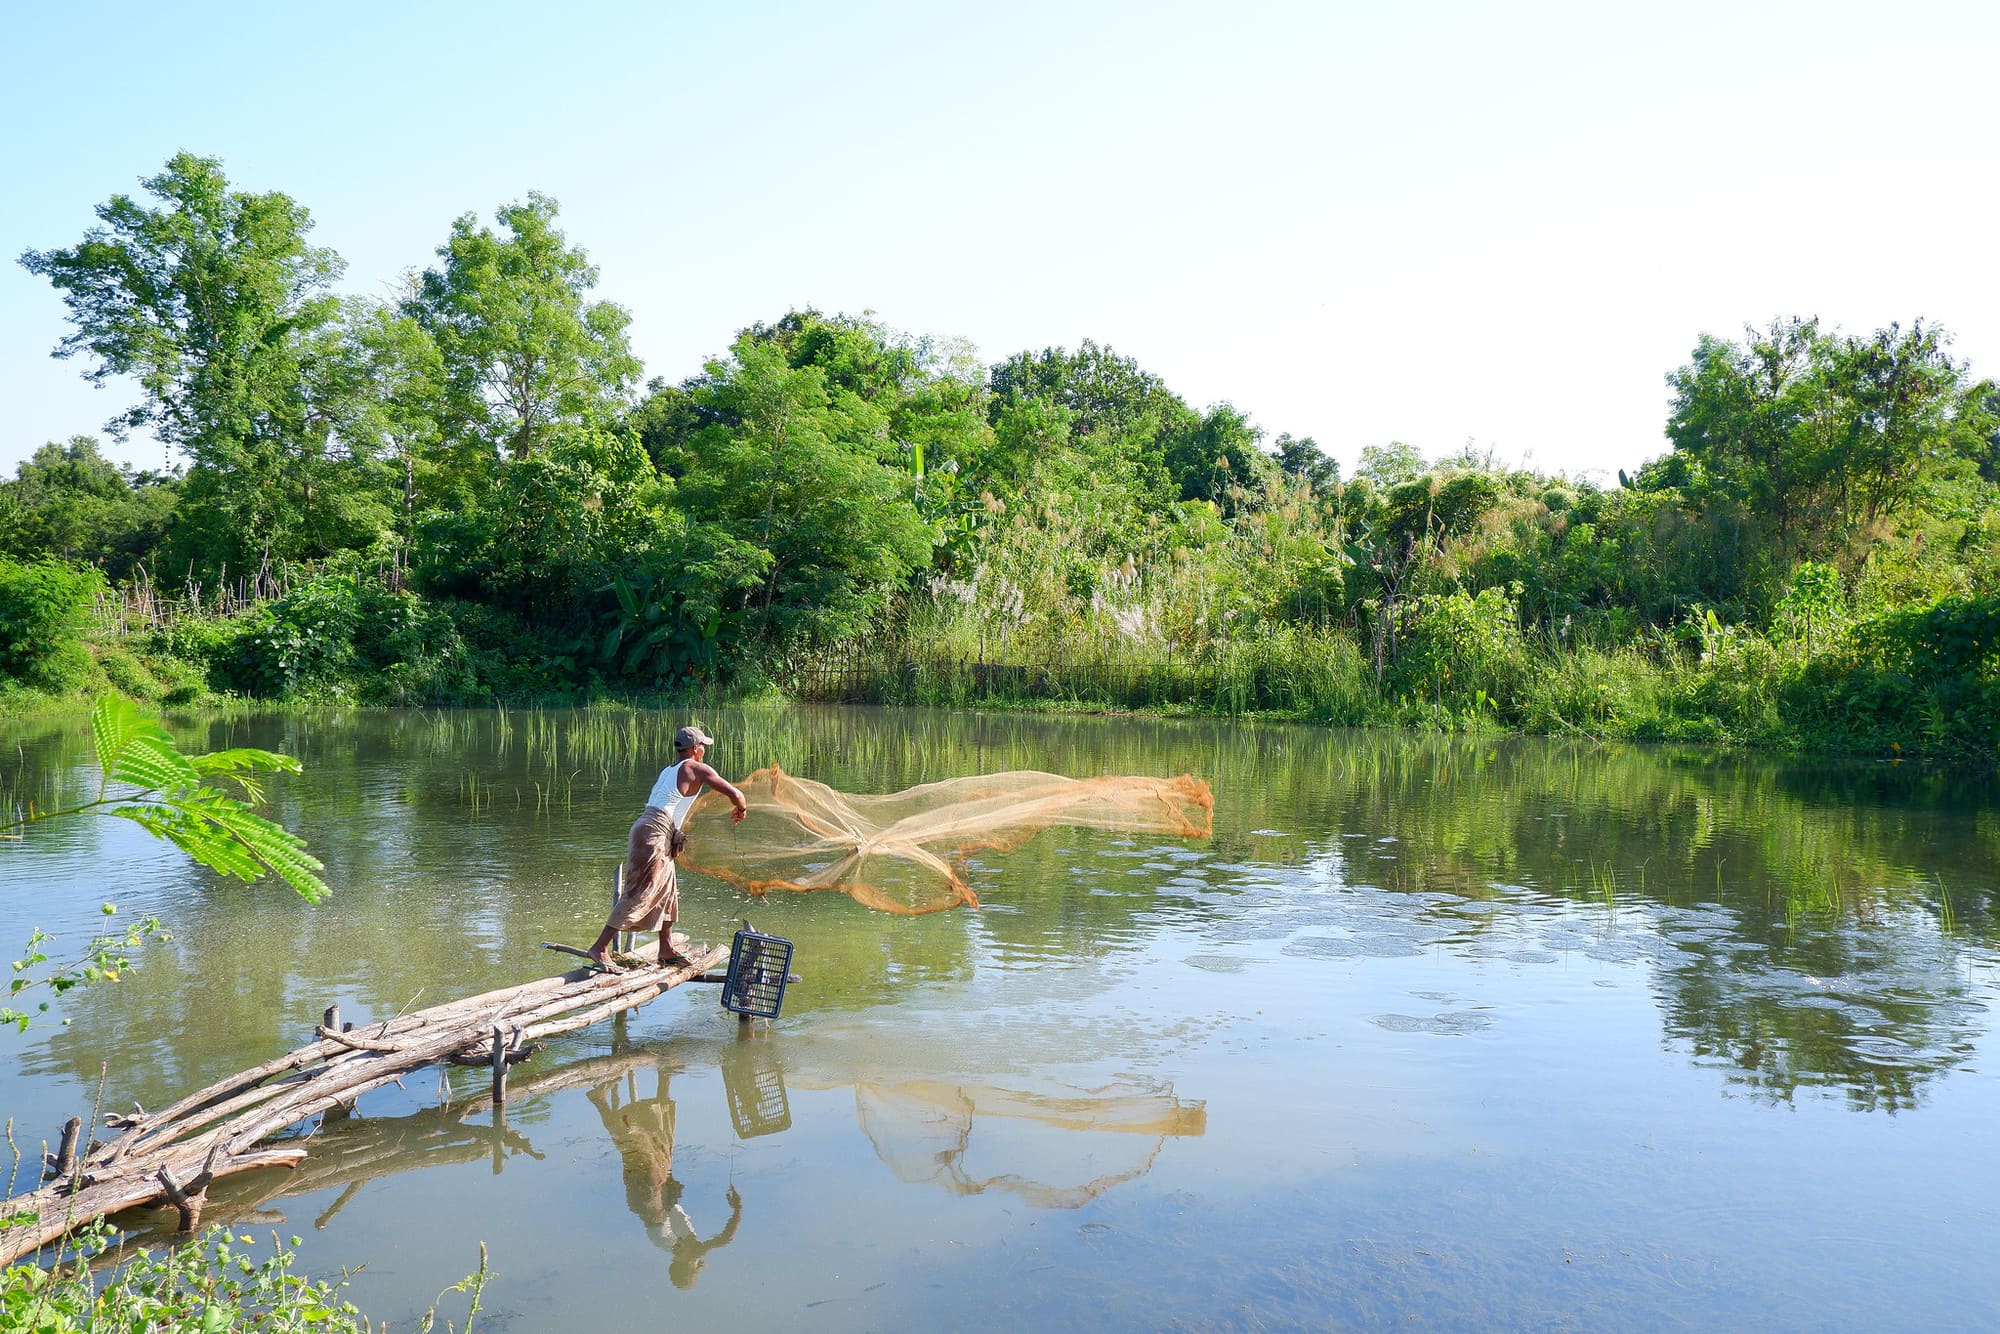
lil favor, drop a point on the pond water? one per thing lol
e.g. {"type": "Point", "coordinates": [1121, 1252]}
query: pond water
{"type": "Point", "coordinates": [1442, 1032]}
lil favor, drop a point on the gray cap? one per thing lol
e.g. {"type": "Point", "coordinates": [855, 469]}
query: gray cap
{"type": "Point", "coordinates": [690, 737]}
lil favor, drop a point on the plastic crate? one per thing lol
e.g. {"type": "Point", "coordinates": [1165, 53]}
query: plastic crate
{"type": "Point", "coordinates": [759, 967]}
{"type": "Point", "coordinates": [758, 1104]}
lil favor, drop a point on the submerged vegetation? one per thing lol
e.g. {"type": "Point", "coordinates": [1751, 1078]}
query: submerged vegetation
{"type": "Point", "coordinates": [465, 495]}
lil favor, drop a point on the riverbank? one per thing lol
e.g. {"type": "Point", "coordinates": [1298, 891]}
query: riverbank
{"type": "Point", "coordinates": [1906, 684]}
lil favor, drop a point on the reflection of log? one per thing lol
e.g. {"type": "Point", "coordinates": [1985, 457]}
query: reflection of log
{"type": "Point", "coordinates": [351, 1151]}
{"type": "Point", "coordinates": [216, 1132]}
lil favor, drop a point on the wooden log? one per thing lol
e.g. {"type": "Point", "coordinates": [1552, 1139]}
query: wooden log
{"type": "Point", "coordinates": [64, 1158]}
{"type": "Point", "coordinates": [499, 1066]}
{"type": "Point", "coordinates": [175, 1153]}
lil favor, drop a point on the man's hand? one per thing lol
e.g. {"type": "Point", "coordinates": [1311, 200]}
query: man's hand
{"type": "Point", "coordinates": [736, 816]}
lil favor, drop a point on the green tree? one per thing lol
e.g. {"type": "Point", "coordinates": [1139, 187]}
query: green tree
{"type": "Point", "coordinates": [1823, 441]}
{"type": "Point", "coordinates": [932, 392]}
{"type": "Point", "coordinates": [1211, 456]}
{"type": "Point", "coordinates": [1115, 418]}
{"type": "Point", "coordinates": [1302, 460]}
{"type": "Point", "coordinates": [554, 528]}
{"type": "Point", "coordinates": [401, 420]}
{"type": "Point", "coordinates": [795, 506]}
{"type": "Point", "coordinates": [1391, 465]}
{"type": "Point", "coordinates": [213, 301]}
{"type": "Point", "coordinates": [70, 502]}
{"type": "Point", "coordinates": [522, 348]}
{"type": "Point", "coordinates": [44, 611]}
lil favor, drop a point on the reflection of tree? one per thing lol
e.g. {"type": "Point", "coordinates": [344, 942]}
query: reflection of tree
{"type": "Point", "coordinates": [643, 1131]}
{"type": "Point", "coordinates": [923, 1130]}
{"type": "Point", "coordinates": [1850, 1006]}
{"type": "Point", "coordinates": [1840, 855]}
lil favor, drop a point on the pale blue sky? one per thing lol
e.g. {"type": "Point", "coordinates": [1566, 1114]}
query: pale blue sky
{"type": "Point", "coordinates": [1362, 222]}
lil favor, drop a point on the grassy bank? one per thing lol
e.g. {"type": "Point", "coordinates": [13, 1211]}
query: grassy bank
{"type": "Point", "coordinates": [1916, 682]}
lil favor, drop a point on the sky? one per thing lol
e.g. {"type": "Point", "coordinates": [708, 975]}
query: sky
{"type": "Point", "coordinates": [1443, 224]}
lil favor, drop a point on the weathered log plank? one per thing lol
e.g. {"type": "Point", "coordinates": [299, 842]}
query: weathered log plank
{"type": "Point", "coordinates": [175, 1154]}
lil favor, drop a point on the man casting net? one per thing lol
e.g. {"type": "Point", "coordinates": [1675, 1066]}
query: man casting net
{"type": "Point", "coordinates": [904, 852]}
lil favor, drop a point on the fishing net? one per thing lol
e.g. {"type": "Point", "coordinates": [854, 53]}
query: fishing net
{"type": "Point", "coordinates": [904, 852]}
{"type": "Point", "coordinates": [1055, 1149]}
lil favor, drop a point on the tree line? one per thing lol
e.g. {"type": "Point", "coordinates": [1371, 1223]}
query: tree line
{"type": "Point", "coordinates": [467, 490]}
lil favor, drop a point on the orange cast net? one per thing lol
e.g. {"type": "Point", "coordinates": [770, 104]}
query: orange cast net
{"type": "Point", "coordinates": [904, 852]}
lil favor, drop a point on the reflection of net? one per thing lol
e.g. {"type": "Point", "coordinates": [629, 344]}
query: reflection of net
{"type": "Point", "coordinates": [902, 852]}
{"type": "Point", "coordinates": [923, 1130]}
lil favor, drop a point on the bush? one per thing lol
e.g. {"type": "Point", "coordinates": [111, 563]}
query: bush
{"type": "Point", "coordinates": [1925, 680]}
{"type": "Point", "coordinates": [347, 636]}
{"type": "Point", "coordinates": [128, 674]}
{"type": "Point", "coordinates": [209, 1283]}
{"type": "Point", "coordinates": [200, 648]}
{"type": "Point", "coordinates": [1459, 646]}
{"type": "Point", "coordinates": [44, 611]}
{"type": "Point", "coordinates": [201, 1285]}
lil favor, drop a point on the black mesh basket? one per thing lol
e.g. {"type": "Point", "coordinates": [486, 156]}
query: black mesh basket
{"type": "Point", "coordinates": [759, 967]}
{"type": "Point", "coordinates": [758, 1104]}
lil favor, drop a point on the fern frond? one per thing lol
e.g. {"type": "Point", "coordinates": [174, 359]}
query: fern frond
{"type": "Point", "coordinates": [271, 845]}
{"type": "Point", "coordinates": [244, 757]}
{"type": "Point", "coordinates": [152, 762]}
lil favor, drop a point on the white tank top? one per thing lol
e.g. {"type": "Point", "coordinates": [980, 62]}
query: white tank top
{"type": "Point", "coordinates": [667, 795]}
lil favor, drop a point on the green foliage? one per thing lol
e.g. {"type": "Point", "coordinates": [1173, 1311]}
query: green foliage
{"type": "Point", "coordinates": [521, 349]}
{"type": "Point", "coordinates": [176, 797]}
{"type": "Point", "coordinates": [70, 502]}
{"type": "Point", "coordinates": [1819, 438]}
{"type": "Point", "coordinates": [347, 635]}
{"type": "Point", "coordinates": [209, 1284]}
{"type": "Point", "coordinates": [44, 610]}
{"type": "Point", "coordinates": [104, 959]}
{"type": "Point", "coordinates": [1459, 645]}
{"type": "Point", "coordinates": [807, 518]}
{"type": "Point", "coordinates": [555, 525]}
{"type": "Point", "coordinates": [830, 480]}
{"type": "Point", "coordinates": [1920, 680]}
{"type": "Point", "coordinates": [214, 302]}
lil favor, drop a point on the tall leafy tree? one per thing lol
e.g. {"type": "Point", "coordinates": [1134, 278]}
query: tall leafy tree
{"type": "Point", "coordinates": [1821, 438]}
{"type": "Point", "coordinates": [1118, 420]}
{"type": "Point", "coordinates": [931, 391]}
{"type": "Point", "coordinates": [401, 420]}
{"type": "Point", "coordinates": [1302, 460]}
{"type": "Point", "coordinates": [214, 301]}
{"type": "Point", "coordinates": [798, 518]}
{"type": "Point", "coordinates": [522, 347]}
{"type": "Point", "coordinates": [1902, 417]}
{"type": "Point", "coordinates": [1214, 455]}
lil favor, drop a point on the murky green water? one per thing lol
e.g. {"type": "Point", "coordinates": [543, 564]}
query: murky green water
{"type": "Point", "coordinates": [1435, 1032]}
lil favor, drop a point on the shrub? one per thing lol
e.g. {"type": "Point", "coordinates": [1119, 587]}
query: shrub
{"type": "Point", "coordinates": [209, 1283]}
{"type": "Point", "coordinates": [347, 636]}
{"type": "Point", "coordinates": [1456, 646]}
{"type": "Point", "coordinates": [1926, 679]}
{"type": "Point", "coordinates": [44, 611]}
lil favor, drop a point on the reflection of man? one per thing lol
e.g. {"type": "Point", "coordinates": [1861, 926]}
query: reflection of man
{"type": "Point", "coordinates": [643, 1131]}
